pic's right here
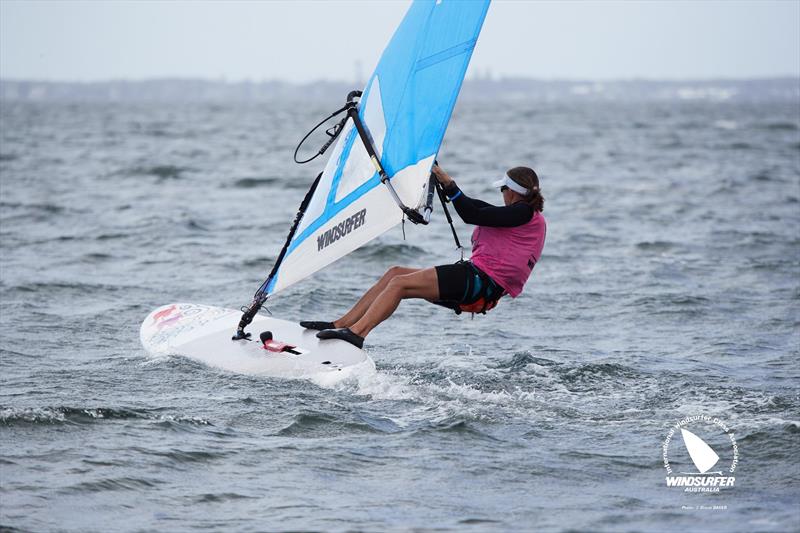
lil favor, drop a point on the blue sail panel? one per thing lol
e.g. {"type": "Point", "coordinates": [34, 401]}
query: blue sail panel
{"type": "Point", "coordinates": [421, 72]}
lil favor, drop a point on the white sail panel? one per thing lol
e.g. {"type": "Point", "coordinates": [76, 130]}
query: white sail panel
{"type": "Point", "coordinates": [358, 168]}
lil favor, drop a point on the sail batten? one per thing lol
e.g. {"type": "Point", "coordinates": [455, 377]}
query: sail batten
{"type": "Point", "coordinates": [446, 54]}
{"type": "Point", "coordinates": [405, 108]}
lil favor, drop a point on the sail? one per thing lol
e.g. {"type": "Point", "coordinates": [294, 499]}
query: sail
{"type": "Point", "coordinates": [703, 456]}
{"type": "Point", "coordinates": [406, 106]}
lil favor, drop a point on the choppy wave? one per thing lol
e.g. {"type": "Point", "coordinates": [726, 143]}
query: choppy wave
{"type": "Point", "coordinates": [10, 416]}
{"type": "Point", "coordinates": [252, 183]}
{"type": "Point", "coordinates": [781, 126]}
{"type": "Point", "coordinates": [321, 425]}
{"type": "Point", "coordinates": [221, 497]}
{"type": "Point", "coordinates": [163, 172]}
{"type": "Point", "coordinates": [113, 484]}
{"type": "Point", "coordinates": [396, 252]}
{"type": "Point", "coordinates": [656, 246]}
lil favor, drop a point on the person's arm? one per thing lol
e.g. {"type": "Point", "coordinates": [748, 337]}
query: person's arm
{"type": "Point", "coordinates": [480, 213]}
{"type": "Point", "coordinates": [452, 191]}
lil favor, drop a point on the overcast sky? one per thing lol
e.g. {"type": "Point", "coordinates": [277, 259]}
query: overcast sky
{"type": "Point", "coordinates": [303, 41]}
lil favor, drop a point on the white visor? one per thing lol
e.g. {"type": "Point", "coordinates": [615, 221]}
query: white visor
{"type": "Point", "coordinates": [511, 184]}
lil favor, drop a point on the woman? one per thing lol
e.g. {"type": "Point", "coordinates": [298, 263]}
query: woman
{"type": "Point", "coordinates": [506, 244]}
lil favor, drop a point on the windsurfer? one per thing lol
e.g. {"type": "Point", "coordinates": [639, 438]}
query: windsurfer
{"type": "Point", "coordinates": [506, 244]}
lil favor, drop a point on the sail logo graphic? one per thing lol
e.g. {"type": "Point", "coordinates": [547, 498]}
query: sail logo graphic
{"type": "Point", "coordinates": [704, 454]}
{"type": "Point", "coordinates": [342, 229]}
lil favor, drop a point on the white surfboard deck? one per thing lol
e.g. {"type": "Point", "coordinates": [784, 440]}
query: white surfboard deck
{"type": "Point", "coordinates": [203, 333]}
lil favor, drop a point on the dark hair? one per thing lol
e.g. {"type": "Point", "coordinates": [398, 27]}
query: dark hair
{"type": "Point", "coordinates": [527, 178]}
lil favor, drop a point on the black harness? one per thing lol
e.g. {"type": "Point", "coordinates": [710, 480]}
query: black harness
{"type": "Point", "coordinates": [480, 295]}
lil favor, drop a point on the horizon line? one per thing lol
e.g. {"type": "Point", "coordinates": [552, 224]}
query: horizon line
{"type": "Point", "coordinates": [495, 79]}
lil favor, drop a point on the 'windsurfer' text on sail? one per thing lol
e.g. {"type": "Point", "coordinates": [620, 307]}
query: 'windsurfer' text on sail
{"type": "Point", "coordinates": [342, 229]}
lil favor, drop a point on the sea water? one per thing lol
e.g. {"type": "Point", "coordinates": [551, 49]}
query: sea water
{"type": "Point", "coordinates": [669, 287]}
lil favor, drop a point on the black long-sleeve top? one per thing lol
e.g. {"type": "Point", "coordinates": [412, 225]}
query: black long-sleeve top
{"type": "Point", "coordinates": [480, 213]}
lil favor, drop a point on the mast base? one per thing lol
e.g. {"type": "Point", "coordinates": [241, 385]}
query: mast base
{"type": "Point", "coordinates": [241, 335]}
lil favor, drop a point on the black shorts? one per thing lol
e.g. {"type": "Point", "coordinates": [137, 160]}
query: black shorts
{"type": "Point", "coordinates": [464, 283]}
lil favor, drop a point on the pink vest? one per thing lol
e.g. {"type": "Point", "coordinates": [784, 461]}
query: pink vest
{"type": "Point", "coordinates": [508, 255]}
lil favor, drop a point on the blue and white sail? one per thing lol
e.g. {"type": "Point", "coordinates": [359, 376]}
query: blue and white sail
{"type": "Point", "coordinates": [406, 106]}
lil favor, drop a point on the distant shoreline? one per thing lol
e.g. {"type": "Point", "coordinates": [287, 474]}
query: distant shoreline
{"type": "Point", "coordinates": [207, 90]}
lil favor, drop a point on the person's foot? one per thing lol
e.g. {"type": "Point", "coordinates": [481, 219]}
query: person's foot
{"type": "Point", "coordinates": [310, 324]}
{"type": "Point", "coordinates": [344, 334]}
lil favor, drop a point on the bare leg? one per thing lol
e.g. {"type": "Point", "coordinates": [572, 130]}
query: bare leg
{"type": "Point", "coordinates": [418, 284]}
{"type": "Point", "coordinates": [358, 310]}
